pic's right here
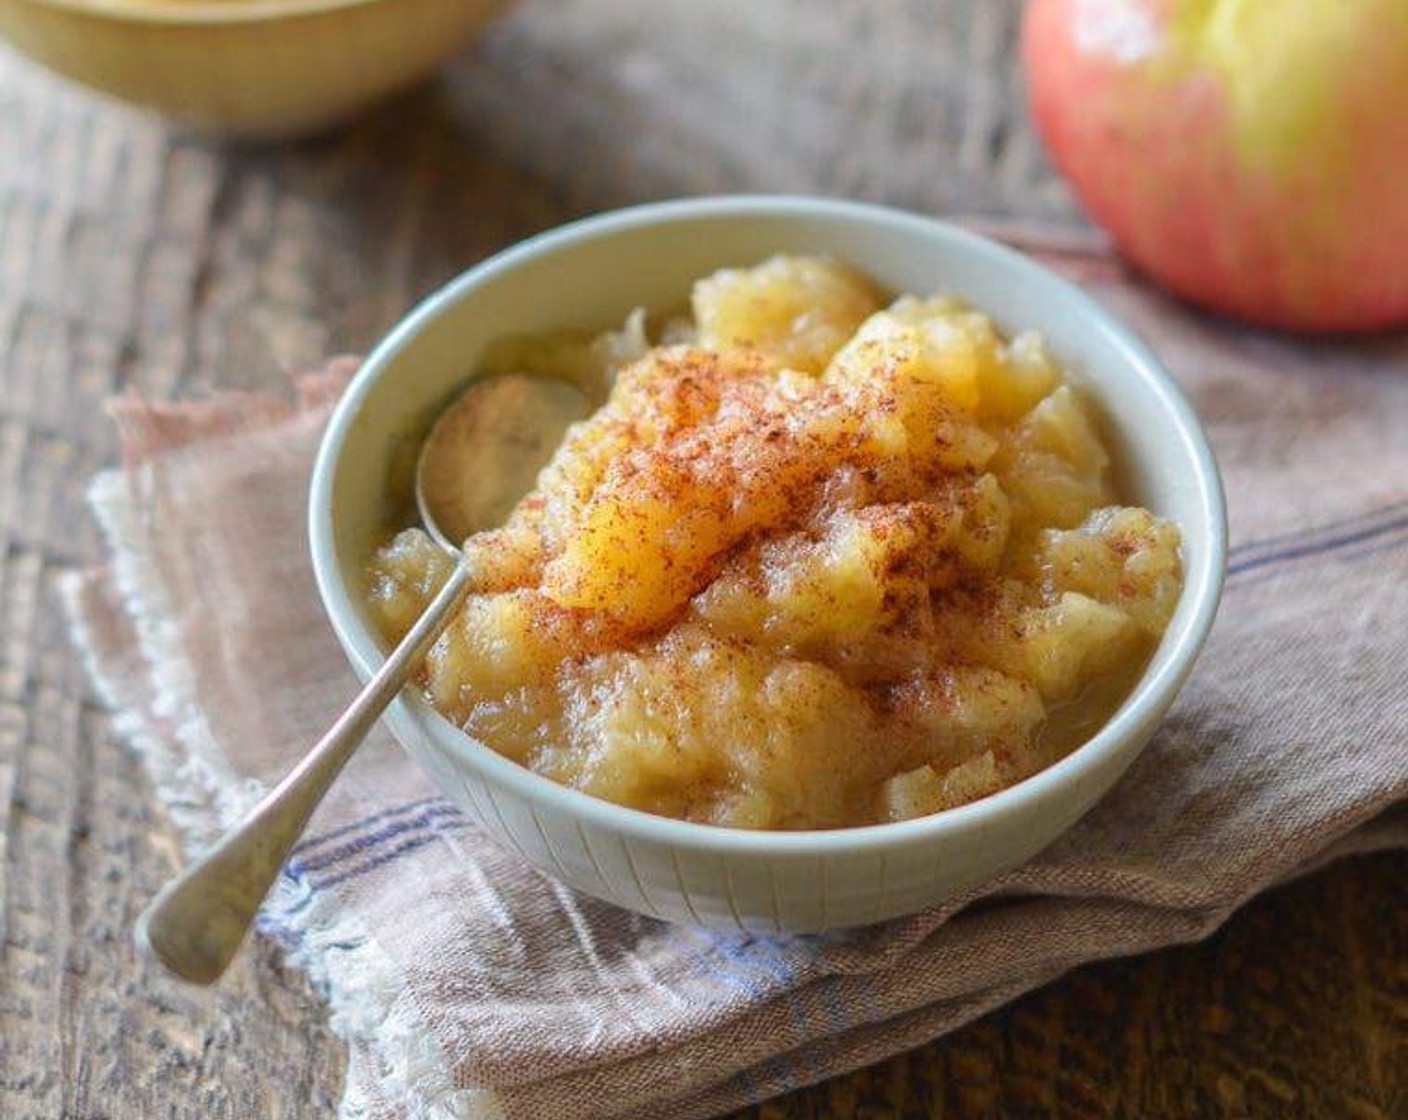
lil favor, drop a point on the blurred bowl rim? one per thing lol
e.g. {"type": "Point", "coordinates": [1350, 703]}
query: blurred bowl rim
{"type": "Point", "coordinates": [1056, 783]}
{"type": "Point", "coordinates": [198, 13]}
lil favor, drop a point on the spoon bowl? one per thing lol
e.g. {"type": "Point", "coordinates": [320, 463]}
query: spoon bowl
{"type": "Point", "coordinates": [484, 452]}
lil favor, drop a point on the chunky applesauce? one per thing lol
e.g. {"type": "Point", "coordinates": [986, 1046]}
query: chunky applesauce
{"type": "Point", "coordinates": [818, 560]}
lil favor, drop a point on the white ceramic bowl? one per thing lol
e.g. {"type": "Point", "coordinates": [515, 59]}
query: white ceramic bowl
{"type": "Point", "coordinates": [590, 274]}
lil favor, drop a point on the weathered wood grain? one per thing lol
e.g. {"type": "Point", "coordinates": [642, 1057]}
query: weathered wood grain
{"type": "Point", "coordinates": [132, 257]}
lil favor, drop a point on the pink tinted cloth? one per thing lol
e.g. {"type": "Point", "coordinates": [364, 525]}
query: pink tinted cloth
{"type": "Point", "coordinates": [468, 985]}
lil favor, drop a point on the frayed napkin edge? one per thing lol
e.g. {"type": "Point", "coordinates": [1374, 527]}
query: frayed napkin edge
{"type": "Point", "coordinates": [361, 986]}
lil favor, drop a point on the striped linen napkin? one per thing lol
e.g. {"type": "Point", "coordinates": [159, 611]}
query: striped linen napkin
{"type": "Point", "coordinates": [468, 985]}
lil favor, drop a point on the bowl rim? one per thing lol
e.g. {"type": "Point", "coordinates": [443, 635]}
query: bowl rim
{"type": "Point", "coordinates": [1145, 704]}
{"type": "Point", "coordinates": [198, 13]}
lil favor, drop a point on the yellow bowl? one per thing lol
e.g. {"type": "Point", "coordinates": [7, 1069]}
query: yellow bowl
{"type": "Point", "coordinates": [261, 69]}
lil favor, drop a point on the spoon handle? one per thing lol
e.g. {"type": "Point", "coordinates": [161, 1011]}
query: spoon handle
{"type": "Point", "coordinates": [195, 925]}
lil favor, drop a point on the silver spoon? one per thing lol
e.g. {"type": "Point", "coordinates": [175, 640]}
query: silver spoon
{"type": "Point", "coordinates": [481, 456]}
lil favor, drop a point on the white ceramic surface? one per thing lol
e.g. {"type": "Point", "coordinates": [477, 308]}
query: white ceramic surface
{"type": "Point", "coordinates": [590, 274]}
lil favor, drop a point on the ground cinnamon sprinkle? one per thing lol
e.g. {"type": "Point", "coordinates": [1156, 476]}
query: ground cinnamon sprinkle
{"type": "Point", "coordinates": [825, 564]}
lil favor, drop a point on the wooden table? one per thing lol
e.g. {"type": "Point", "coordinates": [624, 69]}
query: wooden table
{"type": "Point", "coordinates": [135, 259]}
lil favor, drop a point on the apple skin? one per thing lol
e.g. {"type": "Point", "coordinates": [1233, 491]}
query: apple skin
{"type": "Point", "coordinates": [1250, 155]}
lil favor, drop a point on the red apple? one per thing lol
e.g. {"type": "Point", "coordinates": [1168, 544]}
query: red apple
{"type": "Point", "coordinates": [1252, 155]}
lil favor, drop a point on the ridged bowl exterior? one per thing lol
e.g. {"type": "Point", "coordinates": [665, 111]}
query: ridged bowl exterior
{"type": "Point", "coordinates": [256, 69]}
{"type": "Point", "coordinates": [590, 274]}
